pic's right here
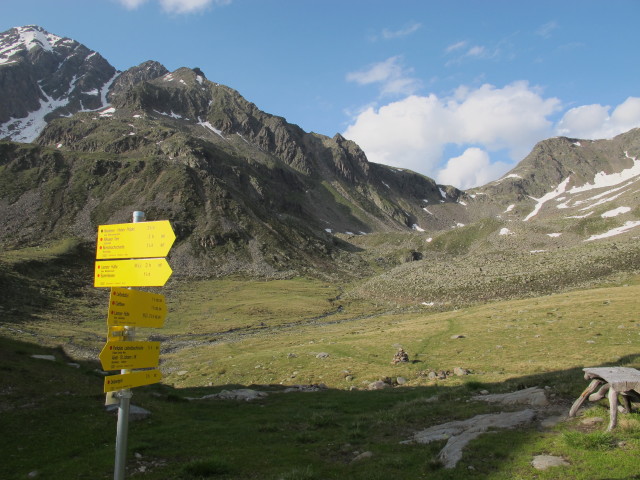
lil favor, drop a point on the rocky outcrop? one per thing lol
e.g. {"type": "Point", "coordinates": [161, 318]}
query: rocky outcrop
{"type": "Point", "coordinates": [144, 72]}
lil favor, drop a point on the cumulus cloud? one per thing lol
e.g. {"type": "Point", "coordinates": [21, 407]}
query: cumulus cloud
{"type": "Point", "coordinates": [177, 6]}
{"type": "Point", "coordinates": [413, 132]}
{"type": "Point", "coordinates": [595, 121]}
{"type": "Point", "coordinates": [391, 75]}
{"type": "Point", "coordinates": [471, 169]}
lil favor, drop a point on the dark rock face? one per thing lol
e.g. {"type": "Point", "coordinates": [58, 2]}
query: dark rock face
{"type": "Point", "coordinates": [144, 72]}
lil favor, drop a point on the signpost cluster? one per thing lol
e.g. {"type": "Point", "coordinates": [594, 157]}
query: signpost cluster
{"type": "Point", "coordinates": [131, 255]}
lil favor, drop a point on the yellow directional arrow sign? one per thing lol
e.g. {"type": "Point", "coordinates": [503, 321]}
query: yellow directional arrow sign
{"type": "Point", "coordinates": [135, 240]}
{"type": "Point", "coordinates": [136, 309]}
{"type": "Point", "coordinates": [150, 272]}
{"type": "Point", "coordinates": [131, 380]}
{"type": "Point", "coordinates": [118, 355]}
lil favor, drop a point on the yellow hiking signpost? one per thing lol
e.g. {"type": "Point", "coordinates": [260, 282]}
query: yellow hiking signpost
{"type": "Point", "coordinates": [131, 255]}
{"type": "Point", "coordinates": [114, 383]}
{"type": "Point", "coordinates": [119, 355]}
{"type": "Point", "coordinates": [134, 240]}
{"type": "Point", "coordinates": [137, 272]}
{"type": "Point", "coordinates": [136, 308]}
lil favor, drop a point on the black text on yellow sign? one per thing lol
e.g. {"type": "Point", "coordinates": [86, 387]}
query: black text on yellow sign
{"type": "Point", "coordinates": [135, 308]}
{"type": "Point", "coordinates": [147, 272]}
{"type": "Point", "coordinates": [123, 381]}
{"type": "Point", "coordinates": [125, 355]}
{"type": "Point", "coordinates": [134, 240]}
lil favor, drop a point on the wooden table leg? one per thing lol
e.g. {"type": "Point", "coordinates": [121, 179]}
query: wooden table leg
{"type": "Point", "coordinates": [613, 409]}
{"type": "Point", "coordinates": [626, 402]}
{"type": "Point", "coordinates": [595, 383]}
{"type": "Point", "coordinates": [600, 394]}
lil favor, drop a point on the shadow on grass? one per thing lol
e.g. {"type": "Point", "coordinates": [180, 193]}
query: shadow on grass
{"type": "Point", "coordinates": [57, 426]}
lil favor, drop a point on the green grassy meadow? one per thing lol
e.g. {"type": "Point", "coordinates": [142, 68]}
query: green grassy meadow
{"type": "Point", "coordinates": [244, 333]}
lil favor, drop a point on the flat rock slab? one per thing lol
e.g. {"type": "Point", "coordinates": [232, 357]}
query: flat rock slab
{"type": "Point", "coordinates": [135, 412]}
{"type": "Point", "coordinates": [533, 396]}
{"type": "Point", "coordinates": [51, 358]}
{"type": "Point", "coordinates": [542, 462]}
{"type": "Point", "coordinates": [242, 394]}
{"type": "Point", "coordinates": [459, 433]}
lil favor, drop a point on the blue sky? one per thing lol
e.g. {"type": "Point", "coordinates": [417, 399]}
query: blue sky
{"type": "Point", "coordinates": [459, 91]}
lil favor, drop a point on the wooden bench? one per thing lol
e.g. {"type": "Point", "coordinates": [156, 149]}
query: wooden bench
{"type": "Point", "coordinates": [612, 381]}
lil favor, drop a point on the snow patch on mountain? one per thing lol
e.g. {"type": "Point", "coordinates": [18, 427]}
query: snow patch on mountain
{"type": "Point", "coordinates": [615, 212]}
{"type": "Point", "coordinates": [601, 180]}
{"type": "Point", "coordinates": [615, 231]}
{"type": "Point", "coordinates": [27, 38]}
{"type": "Point", "coordinates": [208, 126]}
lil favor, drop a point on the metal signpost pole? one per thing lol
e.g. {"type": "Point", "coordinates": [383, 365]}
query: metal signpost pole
{"type": "Point", "coordinates": [125, 400]}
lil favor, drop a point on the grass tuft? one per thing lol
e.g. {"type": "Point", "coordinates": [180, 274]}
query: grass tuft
{"type": "Point", "coordinates": [589, 441]}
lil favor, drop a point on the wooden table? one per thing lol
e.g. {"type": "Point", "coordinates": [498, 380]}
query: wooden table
{"type": "Point", "coordinates": [613, 381]}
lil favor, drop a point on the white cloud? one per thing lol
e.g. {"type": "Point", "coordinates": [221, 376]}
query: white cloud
{"type": "Point", "coordinates": [471, 169]}
{"type": "Point", "coordinates": [545, 30]}
{"type": "Point", "coordinates": [177, 6]}
{"type": "Point", "coordinates": [413, 132]}
{"type": "Point", "coordinates": [476, 51]}
{"type": "Point", "coordinates": [455, 46]}
{"type": "Point", "coordinates": [594, 121]}
{"type": "Point", "coordinates": [392, 76]}
{"type": "Point", "coordinates": [403, 32]}
{"type": "Point", "coordinates": [131, 4]}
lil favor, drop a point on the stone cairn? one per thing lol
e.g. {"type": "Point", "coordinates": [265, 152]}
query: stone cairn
{"type": "Point", "coordinates": [400, 357]}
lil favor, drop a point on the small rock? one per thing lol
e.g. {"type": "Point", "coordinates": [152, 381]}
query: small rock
{"type": "Point", "coordinates": [292, 355]}
{"type": "Point", "coordinates": [377, 385]}
{"type": "Point", "coordinates": [401, 380]}
{"type": "Point", "coordinates": [349, 378]}
{"type": "Point", "coordinates": [135, 412]}
{"type": "Point", "coordinates": [33, 474]}
{"type": "Point", "coordinates": [182, 372]}
{"type": "Point", "coordinates": [51, 358]}
{"type": "Point", "coordinates": [432, 375]}
{"type": "Point", "coordinates": [591, 421]}
{"type": "Point", "coordinates": [453, 337]}
{"type": "Point", "coordinates": [542, 462]}
{"type": "Point", "coordinates": [459, 371]}
{"type": "Point", "coordinates": [322, 355]}
{"type": "Point", "coordinates": [484, 392]}
{"type": "Point", "coordinates": [74, 365]}
{"type": "Point", "coordinates": [362, 456]}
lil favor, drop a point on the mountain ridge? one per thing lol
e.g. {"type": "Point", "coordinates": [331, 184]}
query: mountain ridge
{"type": "Point", "coordinates": [249, 192]}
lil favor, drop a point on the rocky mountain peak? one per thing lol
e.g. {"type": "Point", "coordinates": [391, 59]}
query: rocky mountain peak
{"type": "Point", "coordinates": [46, 76]}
